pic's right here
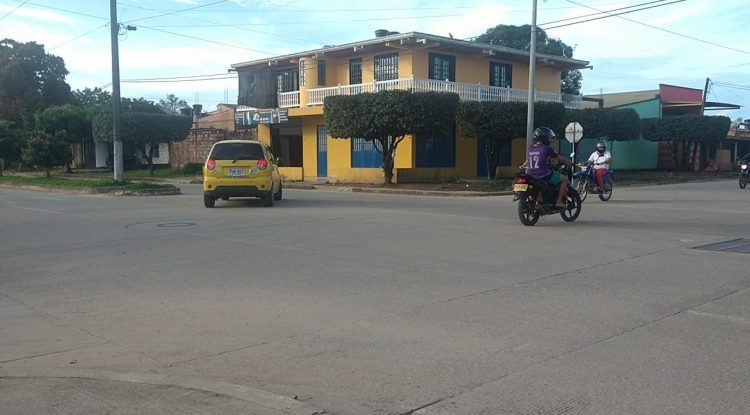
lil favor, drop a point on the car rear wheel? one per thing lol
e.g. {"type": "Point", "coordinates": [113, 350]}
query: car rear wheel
{"type": "Point", "coordinates": [208, 201]}
{"type": "Point", "coordinates": [278, 194]}
{"type": "Point", "coordinates": [268, 199]}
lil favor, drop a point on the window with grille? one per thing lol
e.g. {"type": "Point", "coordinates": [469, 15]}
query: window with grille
{"type": "Point", "coordinates": [321, 72]}
{"type": "Point", "coordinates": [442, 67]}
{"type": "Point", "coordinates": [365, 154]}
{"type": "Point", "coordinates": [355, 71]}
{"type": "Point", "coordinates": [386, 67]}
{"type": "Point", "coordinates": [501, 74]}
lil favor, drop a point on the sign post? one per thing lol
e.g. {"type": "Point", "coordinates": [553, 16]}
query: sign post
{"type": "Point", "coordinates": [574, 133]}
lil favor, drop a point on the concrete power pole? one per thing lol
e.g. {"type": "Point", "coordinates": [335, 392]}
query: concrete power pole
{"type": "Point", "coordinates": [116, 138]}
{"type": "Point", "coordinates": [532, 79]}
{"type": "Point", "coordinates": [705, 92]}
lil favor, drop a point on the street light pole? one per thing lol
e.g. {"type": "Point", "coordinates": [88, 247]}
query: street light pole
{"type": "Point", "coordinates": [532, 79]}
{"type": "Point", "coordinates": [116, 137]}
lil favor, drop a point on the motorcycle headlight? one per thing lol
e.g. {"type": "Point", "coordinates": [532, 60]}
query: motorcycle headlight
{"type": "Point", "coordinates": [744, 166]}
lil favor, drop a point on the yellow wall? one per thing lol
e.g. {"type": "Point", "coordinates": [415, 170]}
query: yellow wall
{"type": "Point", "coordinates": [547, 78]}
{"type": "Point", "coordinates": [310, 146]}
{"type": "Point", "coordinates": [293, 174]}
{"type": "Point", "coordinates": [466, 156]}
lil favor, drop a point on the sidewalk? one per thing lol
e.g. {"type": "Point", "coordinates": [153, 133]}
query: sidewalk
{"type": "Point", "coordinates": [99, 392]}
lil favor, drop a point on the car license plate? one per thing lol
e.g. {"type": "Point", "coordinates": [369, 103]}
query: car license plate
{"type": "Point", "coordinates": [236, 173]}
{"type": "Point", "coordinates": [520, 187]}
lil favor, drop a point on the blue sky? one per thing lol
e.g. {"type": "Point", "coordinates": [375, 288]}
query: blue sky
{"type": "Point", "coordinates": [709, 40]}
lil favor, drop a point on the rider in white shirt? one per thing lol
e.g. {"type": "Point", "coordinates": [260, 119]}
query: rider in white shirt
{"type": "Point", "coordinates": [600, 160]}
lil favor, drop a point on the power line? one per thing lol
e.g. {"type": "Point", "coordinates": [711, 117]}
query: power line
{"type": "Point", "coordinates": [206, 40]}
{"type": "Point", "coordinates": [14, 9]}
{"type": "Point", "coordinates": [598, 13]}
{"type": "Point", "coordinates": [177, 11]}
{"type": "Point", "coordinates": [68, 11]}
{"type": "Point", "coordinates": [317, 21]}
{"type": "Point", "coordinates": [77, 37]}
{"type": "Point", "coordinates": [608, 14]}
{"type": "Point", "coordinates": [666, 30]}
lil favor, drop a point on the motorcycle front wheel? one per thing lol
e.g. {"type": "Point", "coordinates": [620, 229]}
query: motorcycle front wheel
{"type": "Point", "coordinates": [527, 213]}
{"type": "Point", "coordinates": [606, 193]}
{"type": "Point", "coordinates": [581, 185]}
{"type": "Point", "coordinates": [743, 182]}
{"type": "Point", "coordinates": [572, 207]}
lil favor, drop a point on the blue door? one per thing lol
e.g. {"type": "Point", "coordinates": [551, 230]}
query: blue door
{"type": "Point", "coordinates": [322, 151]}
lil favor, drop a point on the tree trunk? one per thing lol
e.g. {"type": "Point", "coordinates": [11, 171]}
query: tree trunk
{"type": "Point", "coordinates": [696, 147]}
{"type": "Point", "coordinates": [673, 145]}
{"type": "Point", "coordinates": [47, 171]}
{"type": "Point", "coordinates": [488, 157]}
{"type": "Point", "coordinates": [2, 167]}
{"type": "Point", "coordinates": [150, 159]}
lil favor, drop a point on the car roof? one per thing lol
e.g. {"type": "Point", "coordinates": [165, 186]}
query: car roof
{"type": "Point", "coordinates": [239, 142]}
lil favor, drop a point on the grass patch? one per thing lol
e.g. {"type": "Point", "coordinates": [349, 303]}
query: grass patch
{"type": "Point", "coordinates": [60, 181]}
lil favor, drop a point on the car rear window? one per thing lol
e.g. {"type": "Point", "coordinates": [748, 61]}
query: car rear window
{"type": "Point", "coordinates": [237, 151]}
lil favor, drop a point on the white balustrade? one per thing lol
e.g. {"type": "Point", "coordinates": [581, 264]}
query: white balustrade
{"type": "Point", "coordinates": [289, 99]}
{"type": "Point", "coordinates": [466, 92]}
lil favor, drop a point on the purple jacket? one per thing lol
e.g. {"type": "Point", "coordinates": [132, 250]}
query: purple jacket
{"type": "Point", "coordinates": [538, 157]}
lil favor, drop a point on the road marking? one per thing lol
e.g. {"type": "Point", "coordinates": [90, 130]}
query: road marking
{"type": "Point", "coordinates": [56, 212]}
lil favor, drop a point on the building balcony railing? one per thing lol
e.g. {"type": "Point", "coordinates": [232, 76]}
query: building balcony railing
{"type": "Point", "coordinates": [466, 91]}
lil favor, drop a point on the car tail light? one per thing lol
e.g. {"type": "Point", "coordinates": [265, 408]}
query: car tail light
{"type": "Point", "coordinates": [211, 164]}
{"type": "Point", "coordinates": [262, 164]}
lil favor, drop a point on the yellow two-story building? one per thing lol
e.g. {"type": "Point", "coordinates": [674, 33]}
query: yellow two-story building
{"type": "Point", "coordinates": [298, 83]}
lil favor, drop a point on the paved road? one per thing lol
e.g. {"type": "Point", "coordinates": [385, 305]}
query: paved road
{"type": "Point", "coordinates": [382, 304]}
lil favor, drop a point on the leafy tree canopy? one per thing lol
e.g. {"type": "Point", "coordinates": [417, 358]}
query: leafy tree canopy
{"type": "Point", "coordinates": [69, 122]}
{"type": "Point", "coordinates": [46, 151]}
{"type": "Point", "coordinates": [174, 105]}
{"type": "Point", "coordinates": [607, 123]}
{"type": "Point", "coordinates": [686, 128]}
{"type": "Point", "coordinates": [519, 37]}
{"type": "Point", "coordinates": [30, 79]}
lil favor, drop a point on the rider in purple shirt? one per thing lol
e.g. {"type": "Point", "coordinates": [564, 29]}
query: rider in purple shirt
{"type": "Point", "coordinates": [537, 162]}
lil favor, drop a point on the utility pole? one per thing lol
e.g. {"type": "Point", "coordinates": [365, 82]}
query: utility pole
{"type": "Point", "coordinates": [705, 92]}
{"type": "Point", "coordinates": [116, 107]}
{"type": "Point", "coordinates": [532, 79]}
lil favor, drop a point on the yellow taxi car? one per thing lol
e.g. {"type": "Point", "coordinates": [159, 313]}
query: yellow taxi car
{"type": "Point", "coordinates": [241, 168]}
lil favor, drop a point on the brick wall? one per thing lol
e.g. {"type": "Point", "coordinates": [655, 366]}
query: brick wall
{"type": "Point", "coordinates": [195, 148]}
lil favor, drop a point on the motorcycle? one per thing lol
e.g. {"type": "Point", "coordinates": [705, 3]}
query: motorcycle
{"type": "Point", "coordinates": [585, 181]}
{"type": "Point", "coordinates": [536, 198]}
{"type": "Point", "coordinates": [743, 173]}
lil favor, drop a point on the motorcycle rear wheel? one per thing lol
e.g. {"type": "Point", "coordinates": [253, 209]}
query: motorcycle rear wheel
{"type": "Point", "coordinates": [606, 193]}
{"type": "Point", "coordinates": [526, 212]}
{"type": "Point", "coordinates": [572, 207]}
{"type": "Point", "coordinates": [743, 182]}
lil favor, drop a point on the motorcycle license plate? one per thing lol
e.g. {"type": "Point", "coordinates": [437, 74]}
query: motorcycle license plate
{"type": "Point", "coordinates": [520, 187]}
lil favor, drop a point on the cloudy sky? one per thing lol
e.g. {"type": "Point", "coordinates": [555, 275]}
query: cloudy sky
{"type": "Point", "coordinates": [681, 43]}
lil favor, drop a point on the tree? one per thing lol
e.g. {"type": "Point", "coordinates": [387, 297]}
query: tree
{"type": "Point", "coordinates": [387, 117]}
{"type": "Point", "coordinates": [144, 131]}
{"type": "Point", "coordinates": [69, 123]}
{"type": "Point", "coordinates": [519, 37]}
{"type": "Point", "coordinates": [30, 79]}
{"type": "Point", "coordinates": [93, 99]}
{"type": "Point", "coordinates": [681, 131]}
{"type": "Point", "coordinates": [46, 151]}
{"type": "Point", "coordinates": [607, 123]}
{"type": "Point", "coordinates": [12, 141]}
{"type": "Point", "coordinates": [498, 123]}
{"type": "Point", "coordinates": [173, 105]}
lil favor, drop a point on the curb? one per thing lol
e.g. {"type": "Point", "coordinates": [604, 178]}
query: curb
{"type": "Point", "coordinates": [110, 191]}
{"type": "Point", "coordinates": [410, 192]}
{"type": "Point", "coordinates": [276, 403]}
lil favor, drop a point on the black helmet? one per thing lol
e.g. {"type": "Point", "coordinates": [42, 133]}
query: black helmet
{"type": "Point", "coordinates": [544, 135]}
